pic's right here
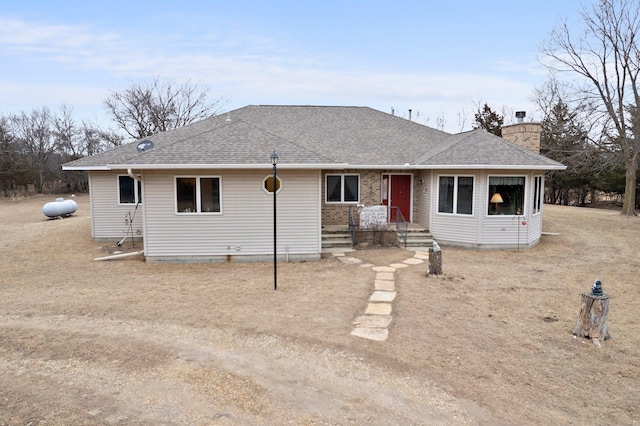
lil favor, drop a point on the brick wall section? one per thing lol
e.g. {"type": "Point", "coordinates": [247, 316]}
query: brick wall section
{"type": "Point", "coordinates": [370, 187]}
{"type": "Point", "coordinates": [338, 214]}
{"type": "Point", "coordinates": [527, 135]}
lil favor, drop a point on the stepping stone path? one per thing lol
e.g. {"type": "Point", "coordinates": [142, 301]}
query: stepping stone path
{"type": "Point", "coordinates": [374, 323]}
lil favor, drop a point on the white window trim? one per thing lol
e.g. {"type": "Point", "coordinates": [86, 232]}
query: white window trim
{"type": "Point", "coordinates": [342, 175]}
{"type": "Point", "coordinates": [455, 196]}
{"type": "Point", "coordinates": [198, 197]}
{"type": "Point", "coordinates": [524, 196]}
{"type": "Point", "coordinates": [136, 193]}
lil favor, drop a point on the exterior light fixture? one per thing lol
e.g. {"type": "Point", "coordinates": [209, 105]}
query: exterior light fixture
{"type": "Point", "coordinates": [274, 162]}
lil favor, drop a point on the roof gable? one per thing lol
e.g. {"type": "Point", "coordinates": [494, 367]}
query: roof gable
{"type": "Point", "coordinates": [479, 148]}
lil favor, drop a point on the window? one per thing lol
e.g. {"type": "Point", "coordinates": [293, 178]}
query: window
{"type": "Point", "coordinates": [128, 191]}
{"type": "Point", "coordinates": [537, 194]}
{"type": "Point", "coordinates": [455, 194]}
{"type": "Point", "coordinates": [198, 195]}
{"type": "Point", "coordinates": [342, 188]}
{"type": "Point", "coordinates": [506, 195]}
{"type": "Point", "coordinates": [267, 184]}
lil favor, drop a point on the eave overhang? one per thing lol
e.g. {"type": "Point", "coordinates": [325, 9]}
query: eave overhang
{"type": "Point", "coordinates": [299, 166]}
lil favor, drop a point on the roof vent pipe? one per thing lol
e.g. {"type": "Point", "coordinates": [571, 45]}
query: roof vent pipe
{"type": "Point", "coordinates": [520, 115]}
{"type": "Point", "coordinates": [409, 114]}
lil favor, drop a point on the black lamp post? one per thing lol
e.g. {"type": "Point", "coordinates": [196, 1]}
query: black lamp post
{"type": "Point", "coordinates": [274, 161]}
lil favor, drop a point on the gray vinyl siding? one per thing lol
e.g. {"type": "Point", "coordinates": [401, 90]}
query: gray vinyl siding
{"type": "Point", "coordinates": [480, 229]}
{"type": "Point", "coordinates": [422, 191]}
{"type": "Point", "coordinates": [456, 228]}
{"type": "Point", "coordinates": [108, 218]}
{"type": "Point", "coordinates": [509, 230]}
{"type": "Point", "coordinates": [245, 225]}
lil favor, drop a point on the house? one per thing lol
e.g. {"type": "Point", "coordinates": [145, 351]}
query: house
{"type": "Point", "coordinates": [204, 192]}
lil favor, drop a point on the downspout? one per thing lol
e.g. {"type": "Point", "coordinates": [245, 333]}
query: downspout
{"type": "Point", "coordinates": [144, 233]}
{"type": "Point", "coordinates": [132, 176]}
{"type": "Point", "coordinates": [119, 256]}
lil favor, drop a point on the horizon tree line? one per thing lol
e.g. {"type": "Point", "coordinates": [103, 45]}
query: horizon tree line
{"type": "Point", "coordinates": [591, 120]}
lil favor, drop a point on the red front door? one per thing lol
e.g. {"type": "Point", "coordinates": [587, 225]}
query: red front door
{"type": "Point", "coordinates": [398, 188]}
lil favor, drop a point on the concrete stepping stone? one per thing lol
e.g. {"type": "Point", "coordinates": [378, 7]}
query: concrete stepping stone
{"type": "Point", "coordinates": [367, 265]}
{"type": "Point", "coordinates": [385, 276]}
{"type": "Point", "coordinates": [350, 260]}
{"type": "Point", "coordinates": [383, 296]}
{"type": "Point", "coordinates": [384, 285]}
{"type": "Point", "coordinates": [337, 254]}
{"type": "Point", "coordinates": [378, 309]}
{"type": "Point", "coordinates": [379, 334]}
{"type": "Point", "coordinates": [383, 269]}
{"type": "Point", "coordinates": [373, 321]}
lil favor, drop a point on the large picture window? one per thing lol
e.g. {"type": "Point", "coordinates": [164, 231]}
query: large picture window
{"type": "Point", "coordinates": [455, 194]}
{"type": "Point", "coordinates": [342, 188]}
{"type": "Point", "coordinates": [198, 195]}
{"type": "Point", "coordinates": [129, 190]}
{"type": "Point", "coordinates": [506, 195]}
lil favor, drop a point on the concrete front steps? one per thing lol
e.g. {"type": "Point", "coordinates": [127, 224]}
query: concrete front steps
{"type": "Point", "coordinates": [336, 239]}
{"type": "Point", "coordinates": [416, 239]}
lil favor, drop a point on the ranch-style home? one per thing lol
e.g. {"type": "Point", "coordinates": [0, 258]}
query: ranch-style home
{"type": "Point", "coordinates": [204, 192]}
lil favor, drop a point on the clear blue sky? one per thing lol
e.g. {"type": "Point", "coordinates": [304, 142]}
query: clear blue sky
{"type": "Point", "coordinates": [438, 58]}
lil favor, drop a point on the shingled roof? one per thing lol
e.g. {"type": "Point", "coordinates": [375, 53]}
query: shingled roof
{"type": "Point", "coordinates": [315, 137]}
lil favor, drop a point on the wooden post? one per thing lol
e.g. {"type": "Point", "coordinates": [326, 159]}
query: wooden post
{"type": "Point", "coordinates": [435, 260]}
{"type": "Point", "coordinates": [593, 318]}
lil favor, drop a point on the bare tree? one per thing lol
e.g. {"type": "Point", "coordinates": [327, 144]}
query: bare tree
{"type": "Point", "coordinates": [606, 57]}
{"type": "Point", "coordinates": [144, 109]}
{"type": "Point", "coordinates": [462, 120]}
{"type": "Point", "coordinates": [66, 132]}
{"type": "Point", "coordinates": [96, 139]}
{"type": "Point", "coordinates": [13, 167]}
{"type": "Point", "coordinates": [33, 132]}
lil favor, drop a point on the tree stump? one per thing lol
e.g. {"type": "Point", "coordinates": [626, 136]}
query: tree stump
{"type": "Point", "coordinates": [593, 318]}
{"type": "Point", "coordinates": [435, 262]}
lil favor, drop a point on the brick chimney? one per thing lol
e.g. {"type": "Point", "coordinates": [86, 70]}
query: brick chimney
{"type": "Point", "coordinates": [527, 135]}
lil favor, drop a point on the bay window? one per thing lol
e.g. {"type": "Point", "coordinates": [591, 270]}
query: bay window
{"type": "Point", "coordinates": [538, 194]}
{"type": "Point", "coordinates": [455, 195]}
{"type": "Point", "coordinates": [506, 195]}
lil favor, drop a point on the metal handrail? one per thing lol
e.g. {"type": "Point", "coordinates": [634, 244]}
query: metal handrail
{"type": "Point", "coordinates": [402, 226]}
{"type": "Point", "coordinates": [352, 226]}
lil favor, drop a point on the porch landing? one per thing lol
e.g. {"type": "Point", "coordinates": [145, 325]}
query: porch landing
{"type": "Point", "coordinates": [345, 228]}
{"type": "Point", "coordinates": [337, 238]}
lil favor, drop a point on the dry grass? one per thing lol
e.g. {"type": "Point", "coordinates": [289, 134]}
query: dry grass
{"type": "Point", "coordinates": [493, 331]}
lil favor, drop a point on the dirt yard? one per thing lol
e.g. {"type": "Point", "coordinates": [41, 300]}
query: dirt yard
{"type": "Point", "coordinates": [487, 343]}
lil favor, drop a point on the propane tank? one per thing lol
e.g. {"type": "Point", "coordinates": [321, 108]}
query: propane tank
{"type": "Point", "coordinates": [60, 207]}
